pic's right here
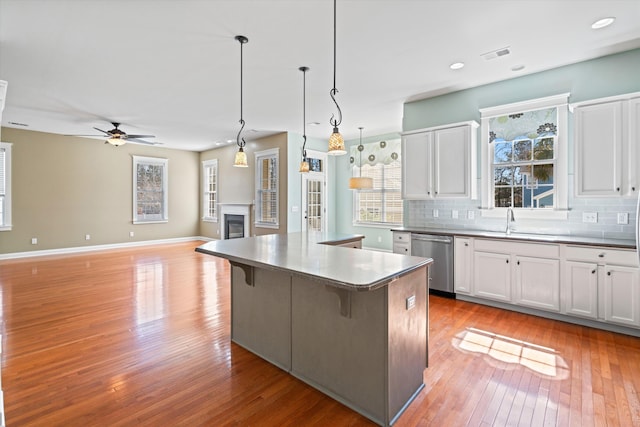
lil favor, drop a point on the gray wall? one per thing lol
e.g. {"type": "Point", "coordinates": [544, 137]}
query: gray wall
{"type": "Point", "coordinates": [66, 187]}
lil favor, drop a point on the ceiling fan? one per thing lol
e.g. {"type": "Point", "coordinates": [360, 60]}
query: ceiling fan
{"type": "Point", "coordinates": [117, 137]}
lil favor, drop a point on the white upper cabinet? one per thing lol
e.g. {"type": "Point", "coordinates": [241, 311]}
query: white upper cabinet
{"type": "Point", "coordinates": [606, 141]}
{"type": "Point", "coordinates": [440, 162]}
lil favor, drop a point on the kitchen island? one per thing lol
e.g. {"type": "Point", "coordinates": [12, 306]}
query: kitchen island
{"type": "Point", "coordinates": [352, 323]}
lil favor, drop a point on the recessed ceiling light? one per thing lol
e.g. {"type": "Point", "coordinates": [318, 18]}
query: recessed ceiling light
{"type": "Point", "coordinates": [518, 67]}
{"type": "Point", "coordinates": [456, 65]}
{"type": "Point", "coordinates": [601, 23]}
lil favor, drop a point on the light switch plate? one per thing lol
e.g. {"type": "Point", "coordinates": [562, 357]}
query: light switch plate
{"type": "Point", "coordinates": [411, 302]}
{"type": "Point", "coordinates": [471, 215]}
{"type": "Point", "coordinates": [623, 218]}
{"type": "Point", "coordinates": [590, 217]}
{"type": "Point", "coordinates": [435, 213]}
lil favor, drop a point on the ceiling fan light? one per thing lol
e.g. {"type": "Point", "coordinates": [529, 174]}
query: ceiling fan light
{"type": "Point", "coordinates": [360, 183]}
{"type": "Point", "coordinates": [241, 159]}
{"type": "Point", "coordinates": [116, 142]}
{"type": "Point", "coordinates": [336, 143]}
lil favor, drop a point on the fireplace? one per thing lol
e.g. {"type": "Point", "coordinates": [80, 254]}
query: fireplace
{"type": "Point", "coordinates": [235, 220]}
{"type": "Point", "coordinates": [234, 226]}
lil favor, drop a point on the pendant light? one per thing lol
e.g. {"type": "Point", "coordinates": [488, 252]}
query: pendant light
{"type": "Point", "coordinates": [360, 182]}
{"type": "Point", "coordinates": [336, 142]}
{"type": "Point", "coordinates": [304, 165]}
{"type": "Point", "coordinates": [241, 157]}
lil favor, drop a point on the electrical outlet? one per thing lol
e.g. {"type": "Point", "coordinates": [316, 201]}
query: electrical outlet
{"type": "Point", "coordinates": [590, 217]}
{"type": "Point", "coordinates": [87, 237]}
{"type": "Point", "coordinates": [623, 218]}
{"type": "Point", "coordinates": [411, 302]}
{"type": "Point", "coordinates": [34, 240]}
{"type": "Point", "coordinates": [471, 215]}
{"type": "Point", "coordinates": [379, 239]}
{"type": "Point", "coordinates": [435, 213]}
{"type": "Point", "coordinates": [131, 234]}
{"type": "Point", "coordinates": [454, 214]}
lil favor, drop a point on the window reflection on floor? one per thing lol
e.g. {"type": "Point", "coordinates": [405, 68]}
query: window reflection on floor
{"type": "Point", "coordinates": [512, 352]}
{"type": "Point", "coordinates": [149, 291]}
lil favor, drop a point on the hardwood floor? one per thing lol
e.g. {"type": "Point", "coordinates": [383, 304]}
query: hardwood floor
{"type": "Point", "coordinates": [141, 337]}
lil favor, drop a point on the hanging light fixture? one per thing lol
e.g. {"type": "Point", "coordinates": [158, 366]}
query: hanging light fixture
{"type": "Point", "coordinates": [360, 182]}
{"type": "Point", "coordinates": [241, 157]}
{"type": "Point", "coordinates": [304, 164]}
{"type": "Point", "coordinates": [336, 142]}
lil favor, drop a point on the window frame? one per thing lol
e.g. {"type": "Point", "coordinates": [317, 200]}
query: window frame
{"type": "Point", "coordinates": [259, 221]}
{"type": "Point", "coordinates": [206, 166]}
{"type": "Point", "coordinates": [5, 219]}
{"type": "Point", "coordinates": [561, 179]}
{"type": "Point", "coordinates": [356, 221]}
{"type": "Point", "coordinates": [151, 161]}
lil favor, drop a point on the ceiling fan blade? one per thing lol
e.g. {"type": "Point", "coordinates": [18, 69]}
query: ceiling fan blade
{"type": "Point", "coordinates": [140, 141]}
{"type": "Point", "coordinates": [103, 131]}
{"type": "Point", "coordinates": [84, 135]}
{"type": "Point", "coordinates": [140, 136]}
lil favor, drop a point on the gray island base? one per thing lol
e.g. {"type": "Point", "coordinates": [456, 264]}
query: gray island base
{"type": "Point", "coordinates": [351, 323]}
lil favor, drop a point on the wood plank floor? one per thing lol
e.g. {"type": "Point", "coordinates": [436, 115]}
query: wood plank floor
{"type": "Point", "coordinates": [141, 337]}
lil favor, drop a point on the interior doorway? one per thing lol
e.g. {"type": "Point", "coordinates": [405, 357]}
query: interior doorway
{"type": "Point", "coordinates": [314, 194]}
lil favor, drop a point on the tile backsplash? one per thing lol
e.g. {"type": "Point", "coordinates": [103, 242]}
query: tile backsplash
{"type": "Point", "coordinates": [420, 213]}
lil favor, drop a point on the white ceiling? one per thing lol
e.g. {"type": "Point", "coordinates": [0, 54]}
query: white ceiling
{"type": "Point", "coordinates": [171, 68]}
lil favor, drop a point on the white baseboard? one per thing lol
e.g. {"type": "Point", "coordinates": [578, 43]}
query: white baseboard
{"type": "Point", "coordinates": [80, 249]}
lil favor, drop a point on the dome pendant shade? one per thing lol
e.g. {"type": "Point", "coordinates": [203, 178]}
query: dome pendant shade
{"type": "Point", "coordinates": [241, 159]}
{"type": "Point", "coordinates": [360, 183]}
{"type": "Point", "coordinates": [336, 144]}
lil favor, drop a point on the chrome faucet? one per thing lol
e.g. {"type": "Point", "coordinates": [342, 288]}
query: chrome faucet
{"type": "Point", "coordinates": [510, 219]}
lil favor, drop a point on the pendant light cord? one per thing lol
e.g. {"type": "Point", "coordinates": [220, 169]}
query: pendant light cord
{"type": "Point", "coordinates": [241, 142]}
{"type": "Point", "coordinates": [334, 122]}
{"type": "Point", "coordinates": [304, 111]}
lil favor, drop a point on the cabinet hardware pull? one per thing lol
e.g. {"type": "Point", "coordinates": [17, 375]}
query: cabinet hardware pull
{"type": "Point", "coordinates": [601, 255]}
{"type": "Point", "coordinates": [593, 272]}
{"type": "Point", "coordinates": [466, 244]}
{"type": "Point", "coordinates": [507, 261]}
{"type": "Point", "coordinates": [518, 262]}
{"type": "Point", "coordinates": [617, 188]}
{"type": "Point", "coordinates": [608, 273]}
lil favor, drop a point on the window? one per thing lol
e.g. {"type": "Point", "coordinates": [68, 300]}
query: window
{"type": "Point", "coordinates": [382, 204]}
{"type": "Point", "coordinates": [210, 190]}
{"type": "Point", "coordinates": [5, 186]}
{"type": "Point", "coordinates": [524, 154]}
{"type": "Point", "coordinates": [150, 183]}
{"type": "Point", "coordinates": [267, 188]}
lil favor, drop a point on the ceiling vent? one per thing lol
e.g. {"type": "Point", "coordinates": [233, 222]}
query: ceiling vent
{"type": "Point", "coordinates": [496, 53]}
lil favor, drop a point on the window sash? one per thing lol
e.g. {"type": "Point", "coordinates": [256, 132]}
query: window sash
{"type": "Point", "coordinates": [267, 191]}
{"type": "Point", "coordinates": [382, 204]}
{"type": "Point", "coordinates": [150, 185]}
{"type": "Point", "coordinates": [210, 190]}
{"type": "Point", "coordinates": [5, 186]}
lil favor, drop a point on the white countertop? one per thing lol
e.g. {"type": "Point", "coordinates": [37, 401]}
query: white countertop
{"type": "Point", "coordinates": [304, 254]}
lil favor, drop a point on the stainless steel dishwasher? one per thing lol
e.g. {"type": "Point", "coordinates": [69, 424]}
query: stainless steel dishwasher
{"type": "Point", "coordinates": [440, 248]}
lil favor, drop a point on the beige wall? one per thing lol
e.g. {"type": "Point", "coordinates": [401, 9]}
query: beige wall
{"type": "Point", "coordinates": [66, 187]}
{"type": "Point", "coordinates": [237, 185]}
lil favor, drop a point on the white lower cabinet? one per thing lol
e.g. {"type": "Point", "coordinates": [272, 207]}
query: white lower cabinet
{"type": "Point", "coordinates": [463, 265]}
{"type": "Point", "coordinates": [537, 283]}
{"type": "Point", "coordinates": [602, 283]}
{"type": "Point", "coordinates": [492, 276]}
{"type": "Point", "coordinates": [402, 242]}
{"type": "Point", "coordinates": [580, 285]}
{"type": "Point", "coordinates": [622, 295]}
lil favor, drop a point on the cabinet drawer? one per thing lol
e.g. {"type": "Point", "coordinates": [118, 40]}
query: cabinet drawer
{"type": "Point", "coordinates": [402, 248]}
{"type": "Point", "coordinates": [401, 236]}
{"type": "Point", "coordinates": [602, 255]}
{"type": "Point", "coordinates": [537, 250]}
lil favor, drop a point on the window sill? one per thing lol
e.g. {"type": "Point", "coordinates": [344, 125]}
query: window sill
{"type": "Point", "coordinates": [5, 228]}
{"type": "Point", "coordinates": [267, 225]}
{"type": "Point", "coordinates": [524, 213]}
{"type": "Point", "coordinates": [209, 219]}
{"type": "Point", "coordinates": [376, 224]}
{"type": "Point", "coordinates": [159, 221]}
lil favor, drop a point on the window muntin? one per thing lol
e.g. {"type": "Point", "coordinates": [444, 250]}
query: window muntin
{"type": "Point", "coordinates": [267, 193]}
{"type": "Point", "coordinates": [150, 184]}
{"type": "Point", "coordinates": [210, 190]}
{"type": "Point", "coordinates": [383, 203]}
{"type": "Point", "coordinates": [5, 186]}
{"type": "Point", "coordinates": [524, 158]}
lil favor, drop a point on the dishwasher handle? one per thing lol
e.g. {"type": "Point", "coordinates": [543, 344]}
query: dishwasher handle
{"type": "Point", "coordinates": [431, 238]}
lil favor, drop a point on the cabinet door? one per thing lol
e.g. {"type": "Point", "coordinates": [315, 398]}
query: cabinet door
{"type": "Point", "coordinates": [463, 265]}
{"type": "Point", "coordinates": [492, 276]}
{"type": "Point", "coordinates": [537, 283]}
{"type": "Point", "coordinates": [633, 160]}
{"type": "Point", "coordinates": [416, 169]}
{"type": "Point", "coordinates": [622, 295]}
{"type": "Point", "coordinates": [451, 162]}
{"type": "Point", "coordinates": [598, 139]}
{"type": "Point", "coordinates": [581, 289]}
